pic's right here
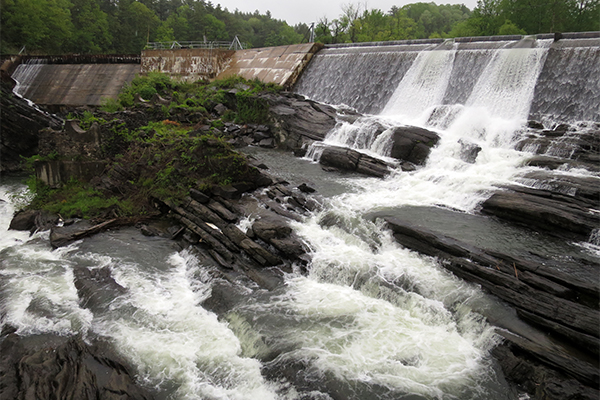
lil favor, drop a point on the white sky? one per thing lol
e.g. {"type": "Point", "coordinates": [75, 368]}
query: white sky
{"type": "Point", "coordinates": [307, 11]}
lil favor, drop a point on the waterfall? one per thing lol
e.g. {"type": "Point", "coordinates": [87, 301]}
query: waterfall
{"type": "Point", "coordinates": [25, 75]}
{"type": "Point", "coordinates": [475, 96]}
{"type": "Point", "coordinates": [366, 319]}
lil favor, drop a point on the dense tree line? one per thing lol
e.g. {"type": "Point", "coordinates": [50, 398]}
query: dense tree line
{"type": "Point", "coordinates": [503, 17]}
{"type": "Point", "coordinates": [125, 26]}
{"type": "Point", "coordinates": [356, 23]}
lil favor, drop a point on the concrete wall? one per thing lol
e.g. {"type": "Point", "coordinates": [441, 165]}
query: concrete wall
{"type": "Point", "coordinates": [73, 84]}
{"type": "Point", "coordinates": [59, 82]}
{"type": "Point", "coordinates": [187, 64]}
{"type": "Point", "coordinates": [281, 65]}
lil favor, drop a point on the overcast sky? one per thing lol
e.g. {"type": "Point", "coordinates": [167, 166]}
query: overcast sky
{"type": "Point", "coordinates": [307, 11]}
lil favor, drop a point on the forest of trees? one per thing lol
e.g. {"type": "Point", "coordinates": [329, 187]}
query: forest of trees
{"type": "Point", "coordinates": [125, 26]}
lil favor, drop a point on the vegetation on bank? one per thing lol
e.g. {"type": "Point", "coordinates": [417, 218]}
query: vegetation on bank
{"type": "Point", "coordinates": [125, 26]}
{"type": "Point", "coordinates": [181, 146]}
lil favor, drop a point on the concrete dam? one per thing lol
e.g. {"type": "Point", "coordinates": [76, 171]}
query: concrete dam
{"type": "Point", "coordinates": [371, 71]}
{"type": "Point", "coordinates": [87, 80]}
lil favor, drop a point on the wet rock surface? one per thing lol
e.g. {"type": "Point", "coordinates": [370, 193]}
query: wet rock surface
{"type": "Point", "coordinates": [345, 159]}
{"type": "Point", "coordinates": [54, 367]}
{"type": "Point", "coordinates": [412, 144]}
{"type": "Point", "coordinates": [20, 124]}
{"type": "Point", "coordinates": [564, 205]}
{"type": "Point", "coordinates": [297, 119]}
{"type": "Point", "coordinates": [563, 306]}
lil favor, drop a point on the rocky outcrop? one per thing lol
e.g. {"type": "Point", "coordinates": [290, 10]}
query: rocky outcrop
{"type": "Point", "coordinates": [558, 214]}
{"type": "Point", "coordinates": [33, 220]}
{"type": "Point", "coordinates": [559, 303]}
{"type": "Point", "coordinates": [412, 144]}
{"type": "Point", "coordinates": [20, 124]}
{"type": "Point", "coordinates": [346, 159]}
{"type": "Point", "coordinates": [210, 225]}
{"type": "Point", "coordinates": [565, 145]}
{"type": "Point", "coordinates": [297, 120]}
{"type": "Point", "coordinates": [55, 367]}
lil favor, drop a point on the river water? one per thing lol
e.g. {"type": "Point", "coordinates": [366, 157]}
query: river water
{"type": "Point", "coordinates": [370, 319]}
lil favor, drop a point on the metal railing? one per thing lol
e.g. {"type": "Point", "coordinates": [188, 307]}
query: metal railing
{"type": "Point", "coordinates": [215, 44]}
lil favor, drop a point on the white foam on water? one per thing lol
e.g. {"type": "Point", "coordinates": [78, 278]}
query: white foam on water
{"type": "Point", "coordinates": [38, 293]}
{"type": "Point", "coordinates": [174, 341]}
{"type": "Point", "coordinates": [374, 341]}
{"type": "Point", "coordinates": [374, 313]}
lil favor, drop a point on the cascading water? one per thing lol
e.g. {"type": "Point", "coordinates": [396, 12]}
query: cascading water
{"type": "Point", "coordinates": [473, 97]}
{"type": "Point", "coordinates": [370, 320]}
{"type": "Point", "coordinates": [25, 75]}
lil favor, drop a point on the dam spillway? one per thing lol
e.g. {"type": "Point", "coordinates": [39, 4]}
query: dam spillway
{"type": "Point", "coordinates": [366, 77]}
{"type": "Point", "coordinates": [74, 81]}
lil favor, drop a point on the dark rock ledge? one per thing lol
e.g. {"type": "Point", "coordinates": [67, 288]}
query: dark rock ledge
{"type": "Point", "coordinates": [48, 366]}
{"type": "Point", "coordinates": [562, 306]}
{"type": "Point", "coordinates": [64, 368]}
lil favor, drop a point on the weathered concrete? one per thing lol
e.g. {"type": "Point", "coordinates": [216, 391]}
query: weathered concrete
{"type": "Point", "coordinates": [187, 64]}
{"type": "Point", "coordinates": [281, 65]}
{"type": "Point", "coordinates": [54, 173]}
{"type": "Point", "coordinates": [73, 84]}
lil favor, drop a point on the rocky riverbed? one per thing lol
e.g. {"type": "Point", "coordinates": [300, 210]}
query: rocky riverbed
{"type": "Point", "coordinates": [553, 302]}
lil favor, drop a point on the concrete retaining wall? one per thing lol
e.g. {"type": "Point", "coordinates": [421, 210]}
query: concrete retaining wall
{"type": "Point", "coordinates": [187, 64]}
{"type": "Point", "coordinates": [47, 83]}
{"type": "Point", "coordinates": [281, 65]}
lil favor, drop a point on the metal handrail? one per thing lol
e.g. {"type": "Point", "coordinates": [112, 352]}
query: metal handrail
{"type": "Point", "coordinates": [215, 44]}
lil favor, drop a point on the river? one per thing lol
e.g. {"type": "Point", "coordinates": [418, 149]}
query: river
{"type": "Point", "coordinates": [370, 319]}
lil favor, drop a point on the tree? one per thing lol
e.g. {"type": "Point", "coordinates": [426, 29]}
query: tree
{"type": "Point", "coordinates": [349, 19]}
{"type": "Point", "coordinates": [39, 25]}
{"type": "Point", "coordinates": [135, 25]}
{"type": "Point", "coordinates": [91, 32]}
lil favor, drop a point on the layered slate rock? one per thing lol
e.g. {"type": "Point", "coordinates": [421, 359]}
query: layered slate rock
{"type": "Point", "coordinates": [211, 228]}
{"type": "Point", "coordinates": [412, 144]}
{"type": "Point", "coordinates": [558, 302]}
{"type": "Point", "coordinates": [563, 145]}
{"type": "Point", "coordinates": [64, 368]}
{"type": "Point", "coordinates": [297, 120]}
{"type": "Point", "coordinates": [347, 159]}
{"type": "Point", "coordinates": [544, 210]}
{"type": "Point", "coordinates": [20, 124]}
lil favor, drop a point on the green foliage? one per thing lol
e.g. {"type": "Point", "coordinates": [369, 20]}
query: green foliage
{"type": "Point", "coordinates": [163, 159]}
{"type": "Point", "coordinates": [87, 119]}
{"type": "Point", "coordinates": [251, 108]}
{"type": "Point", "coordinates": [508, 28]}
{"type": "Point", "coordinates": [146, 86]}
{"type": "Point", "coordinates": [110, 105]}
{"type": "Point", "coordinates": [73, 199]}
{"type": "Point", "coordinates": [125, 26]}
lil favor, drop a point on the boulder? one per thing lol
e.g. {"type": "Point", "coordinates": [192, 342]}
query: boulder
{"type": "Point", "coordinates": [23, 220]}
{"type": "Point", "coordinates": [272, 227]}
{"type": "Point", "coordinates": [412, 144]}
{"type": "Point", "coordinates": [304, 188]}
{"type": "Point", "coordinates": [65, 368]}
{"type": "Point", "coordinates": [351, 160]}
{"type": "Point", "coordinates": [33, 220]}
{"type": "Point", "coordinates": [468, 151]}
{"type": "Point", "coordinates": [295, 119]}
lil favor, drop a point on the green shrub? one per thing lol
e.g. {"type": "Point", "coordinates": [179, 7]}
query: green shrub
{"type": "Point", "coordinates": [251, 108]}
{"type": "Point", "coordinates": [110, 105]}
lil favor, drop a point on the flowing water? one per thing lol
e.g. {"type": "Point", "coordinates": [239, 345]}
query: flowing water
{"type": "Point", "coordinates": [370, 319]}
